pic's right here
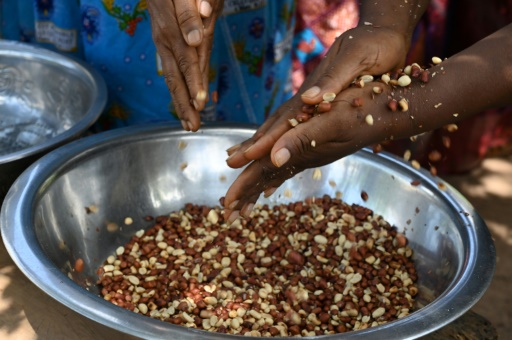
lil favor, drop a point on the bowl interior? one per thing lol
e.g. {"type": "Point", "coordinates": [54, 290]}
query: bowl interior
{"type": "Point", "coordinates": [154, 171]}
{"type": "Point", "coordinates": [42, 94]}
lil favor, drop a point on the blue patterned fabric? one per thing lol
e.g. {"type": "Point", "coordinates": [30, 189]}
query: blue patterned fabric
{"type": "Point", "coordinates": [250, 70]}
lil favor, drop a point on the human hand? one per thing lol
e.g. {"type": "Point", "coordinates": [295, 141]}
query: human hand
{"type": "Point", "coordinates": [362, 50]}
{"type": "Point", "coordinates": [322, 140]}
{"type": "Point", "coordinates": [396, 111]}
{"type": "Point", "coordinates": [347, 58]}
{"type": "Point", "coordinates": [183, 41]}
{"type": "Point", "coordinates": [377, 45]}
{"type": "Point", "coordinates": [197, 22]}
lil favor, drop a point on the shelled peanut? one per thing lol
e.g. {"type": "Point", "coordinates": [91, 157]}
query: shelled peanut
{"type": "Point", "coordinates": [306, 268]}
{"type": "Point", "coordinates": [399, 78]}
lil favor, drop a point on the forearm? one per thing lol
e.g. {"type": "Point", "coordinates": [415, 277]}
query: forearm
{"type": "Point", "coordinates": [467, 83]}
{"type": "Point", "coordinates": [400, 15]}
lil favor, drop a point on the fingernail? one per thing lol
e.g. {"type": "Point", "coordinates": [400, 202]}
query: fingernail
{"type": "Point", "coordinates": [281, 157]}
{"type": "Point", "coordinates": [233, 148]}
{"type": "Point", "coordinates": [232, 156]}
{"type": "Point", "coordinates": [268, 192]}
{"type": "Point", "coordinates": [184, 124]}
{"type": "Point", "coordinates": [311, 92]}
{"type": "Point", "coordinates": [249, 148]}
{"type": "Point", "coordinates": [233, 204]}
{"type": "Point", "coordinates": [194, 37]}
{"type": "Point", "coordinates": [190, 126]}
{"type": "Point", "coordinates": [201, 95]}
{"type": "Point", "coordinates": [205, 9]}
{"type": "Point", "coordinates": [195, 104]}
{"type": "Point", "coordinates": [234, 215]}
{"type": "Point", "coordinates": [247, 210]}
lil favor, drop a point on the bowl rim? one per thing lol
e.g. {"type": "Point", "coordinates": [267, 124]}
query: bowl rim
{"type": "Point", "coordinates": [87, 72]}
{"type": "Point", "coordinates": [17, 211]}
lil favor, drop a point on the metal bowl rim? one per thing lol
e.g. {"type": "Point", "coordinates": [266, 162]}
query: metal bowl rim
{"type": "Point", "coordinates": [17, 208]}
{"type": "Point", "coordinates": [87, 72]}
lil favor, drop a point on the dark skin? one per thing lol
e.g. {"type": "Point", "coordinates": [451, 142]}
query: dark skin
{"type": "Point", "coordinates": [183, 38]}
{"type": "Point", "coordinates": [377, 45]}
{"type": "Point", "coordinates": [185, 60]}
{"type": "Point", "coordinates": [469, 82]}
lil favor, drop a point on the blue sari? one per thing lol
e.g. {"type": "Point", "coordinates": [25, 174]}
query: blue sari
{"type": "Point", "coordinates": [250, 68]}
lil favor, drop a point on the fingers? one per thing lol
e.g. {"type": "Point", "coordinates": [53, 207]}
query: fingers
{"type": "Point", "coordinates": [297, 149]}
{"type": "Point", "coordinates": [265, 137]}
{"type": "Point", "coordinates": [259, 176]}
{"type": "Point", "coordinates": [205, 8]}
{"type": "Point", "coordinates": [309, 144]}
{"type": "Point", "coordinates": [265, 175]}
{"type": "Point", "coordinates": [210, 11]}
{"type": "Point", "coordinates": [205, 49]}
{"type": "Point", "coordinates": [185, 110]}
{"type": "Point", "coordinates": [238, 150]}
{"type": "Point", "coordinates": [335, 73]}
{"type": "Point", "coordinates": [189, 15]}
{"type": "Point", "coordinates": [180, 63]}
{"type": "Point", "coordinates": [356, 52]}
{"type": "Point", "coordinates": [251, 150]}
{"type": "Point", "coordinates": [305, 146]}
{"type": "Point", "coordinates": [189, 20]}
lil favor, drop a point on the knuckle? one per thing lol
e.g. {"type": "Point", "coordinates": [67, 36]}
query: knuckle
{"type": "Point", "coordinates": [268, 174]}
{"type": "Point", "coordinates": [184, 63]}
{"type": "Point", "coordinates": [187, 18]}
{"type": "Point", "coordinates": [271, 176]}
{"type": "Point", "coordinates": [172, 84]}
{"type": "Point", "coordinates": [302, 143]}
{"type": "Point", "coordinates": [180, 107]}
{"type": "Point", "coordinates": [327, 78]}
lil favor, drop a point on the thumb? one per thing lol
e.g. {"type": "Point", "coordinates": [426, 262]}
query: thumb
{"type": "Point", "coordinates": [190, 22]}
{"type": "Point", "coordinates": [335, 73]}
{"type": "Point", "coordinates": [307, 144]}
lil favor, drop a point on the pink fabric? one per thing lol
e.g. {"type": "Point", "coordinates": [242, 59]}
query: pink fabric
{"type": "Point", "coordinates": [327, 19]}
{"type": "Point", "coordinates": [448, 26]}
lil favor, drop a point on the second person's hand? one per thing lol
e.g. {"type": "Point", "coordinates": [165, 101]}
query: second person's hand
{"type": "Point", "coordinates": [378, 44]}
{"type": "Point", "coordinates": [322, 140]}
{"type": "Point", "coordinates": [183, 40]}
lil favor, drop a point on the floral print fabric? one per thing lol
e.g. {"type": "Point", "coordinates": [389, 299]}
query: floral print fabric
{"type": "Point", "coordinates": [250, 73]}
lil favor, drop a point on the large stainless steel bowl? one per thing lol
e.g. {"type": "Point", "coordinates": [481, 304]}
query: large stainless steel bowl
{"type": "Point", "coordinates": [138, 171]}
{"type": "Point", "coordinates": [46, 100]}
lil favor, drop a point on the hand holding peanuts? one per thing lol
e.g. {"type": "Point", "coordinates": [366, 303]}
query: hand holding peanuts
{"type": "Point", "coordinates": [361, 50]}
{"type": "Point", "coordinates": [421, 104]}
{"type": "Point", "coordinates": [322, 140]}
{"type": "Point", "coordinates": [378, 44]}
{"type": "Point", "coordinates": [364, 49]}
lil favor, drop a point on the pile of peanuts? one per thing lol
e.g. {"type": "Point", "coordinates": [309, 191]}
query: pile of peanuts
{"type": "Point", "coordinates": [302, 269]}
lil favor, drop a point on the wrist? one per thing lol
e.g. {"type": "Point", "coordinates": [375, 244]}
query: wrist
{"type": "Point", "coordinates": [397, 15]}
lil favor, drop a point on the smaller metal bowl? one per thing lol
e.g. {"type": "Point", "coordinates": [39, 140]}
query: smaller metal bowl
{"type": "Point", "coordinates": [46, 100]}
{"type": "Point", "coordinates": [138, 171]}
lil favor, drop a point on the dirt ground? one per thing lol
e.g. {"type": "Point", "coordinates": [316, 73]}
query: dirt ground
{"type": "Point", "coordinates": [489, 189]}
{"type": "Point", "coordinates": [28, 313]}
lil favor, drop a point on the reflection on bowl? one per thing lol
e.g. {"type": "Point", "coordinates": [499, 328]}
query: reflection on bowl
{"type": "Point", "coordinates": [46, 100]}
{"type": "Point", "coordinates": [139, 171]}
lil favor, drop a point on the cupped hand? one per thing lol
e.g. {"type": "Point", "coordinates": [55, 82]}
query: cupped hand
{"type": "Point", "coordinates": [183, 34]}
{"type": "Point", "coordinates": [322, 140]}
{"type": "Point", "coordinates": [365, 49]}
